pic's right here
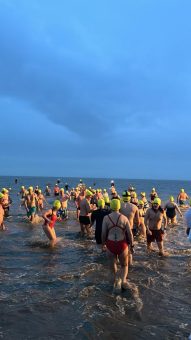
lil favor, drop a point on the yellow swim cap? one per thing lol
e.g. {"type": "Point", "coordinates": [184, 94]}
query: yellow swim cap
{"type": "Point", "coordinates": [62, 189]}
{"type": "Point", "coordinates": [4, 190]}
{"type": "Point", "coordinates": [153, 189]}
{"type": "Point", "coordinates": [88, 193]}
{"type": "Point", "coordinates": [143, 194]}
{"type": "Point", "coordinates": [141, 202]}
{"type": "Point", "coordinates": [1, 195]}
{"type": "Point", "coordinates": [157, 201]}
{"type": "Point", "coordinates": [30, 188]}
{"type": "Point", "coordinates": [22, 187]}
{"type": "Point", "coordinates": [115, 204]}
{"type": "Point", "coordinates": [106, 199]}
{"type": "Point", "coordinates": [57, 204]}
{"type": "Point", "coordinates": [134, 195]}
{"type": "Point", "coordinates": [182, 190]}
{"type": "Point", "coordinates": [101, 203]}
{"type": "Point", "coordinates": [171, 198]}
{"type": "Point", "coordinates": [39, 190]}
{"type": "Point", "coordinates": [104, 190]}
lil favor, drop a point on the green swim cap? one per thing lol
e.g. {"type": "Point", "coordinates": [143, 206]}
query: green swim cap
{"type": "Point", "coordinates": [1, 195]}
{"type": "Point", "coordinates": [101, 203]}
{"type": "Point", "coordinates": [57, 204]}
{"type": "Point", "coordinates": [124, 193]}
{"type": "Point", "coordinates": [157, 201]}
{"type": "Point", "coordinates": [115, 204]}
{"type": "Point", "coordinates": [171, 198]}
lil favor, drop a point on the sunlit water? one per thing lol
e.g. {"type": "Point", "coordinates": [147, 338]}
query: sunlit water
{"type": "Point", "coordinates": [65, 293]}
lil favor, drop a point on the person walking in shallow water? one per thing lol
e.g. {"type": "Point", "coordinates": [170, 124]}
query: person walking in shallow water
{"type": "Point", "coordinates": [153, 221]}
{"type": "Point", "coordinates": [117, 236]}
{"type": "Point", "coordinates": [171, 208]}
{"type": "Point", "coordinates": [50, 218]}
{"type": "Point", "coordinates": [182, 198]}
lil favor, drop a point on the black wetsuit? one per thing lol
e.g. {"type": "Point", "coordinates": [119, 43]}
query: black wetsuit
{"type": "Point", "coordinates": [98, 215]}
{"type": "Point", "coordinates": [170, 212]}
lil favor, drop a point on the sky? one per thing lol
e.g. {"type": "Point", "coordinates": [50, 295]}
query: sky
{"type": "Point", "coordinates": [95, 88]}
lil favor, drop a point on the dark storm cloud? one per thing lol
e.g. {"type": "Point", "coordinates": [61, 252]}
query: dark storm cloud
{"type": "Point", "coordinates": [113, 76]}
{"type": "Point", "coordinates": [86, 93]}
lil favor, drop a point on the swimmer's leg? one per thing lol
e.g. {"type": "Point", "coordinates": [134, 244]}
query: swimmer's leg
{"type": "Point", "coordinates": [123, 258]}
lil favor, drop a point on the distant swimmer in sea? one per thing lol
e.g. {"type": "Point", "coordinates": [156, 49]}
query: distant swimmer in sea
{"type": "Point", "coordinates": [171, 208]}
{"type": "Point", "coordinates": [112, 183]}
{"type": "Point", "coordinates": [40, 200]}
{"type": "Point", "coordinates": [50, 218]}
{"type": "Point", "coordinates": [182, 198]}
{"type": "Point", "coordinates": [66, 186]}
{"type": "Point", "coordinates": [56, 190]}
{"type": "Point", "coordinates": [153, 221]}
{"type": "Point", "coordinates": [47, 191]}
{"type": "Point", "coordinates": [118, 238]}
{"type": "Point", "coordinates": [22, 192]}
{"type": "Point", "coordinates": [2, 213]}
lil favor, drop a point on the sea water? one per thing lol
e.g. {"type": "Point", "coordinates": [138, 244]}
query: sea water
{"type": "Point", "coordinates": [65, 292]}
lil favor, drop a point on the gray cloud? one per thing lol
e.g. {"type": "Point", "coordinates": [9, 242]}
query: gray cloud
{"type": "Point", "coordinates": [114, 81]}
{"type": "Point", "coordinates": [76, 95]}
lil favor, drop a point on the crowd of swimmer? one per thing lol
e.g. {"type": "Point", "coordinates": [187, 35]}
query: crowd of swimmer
{"type": "Point", "coordinates": [117, 220]}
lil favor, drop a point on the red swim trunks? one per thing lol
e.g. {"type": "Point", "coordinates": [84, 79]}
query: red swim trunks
{"type": "Point", "coordinates": [116, 247]}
